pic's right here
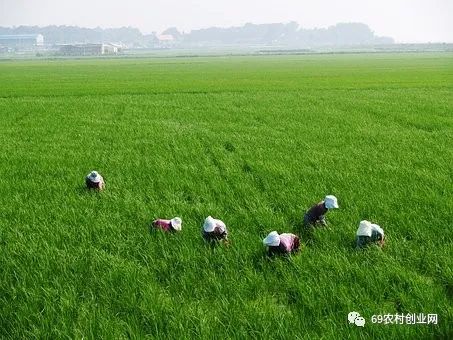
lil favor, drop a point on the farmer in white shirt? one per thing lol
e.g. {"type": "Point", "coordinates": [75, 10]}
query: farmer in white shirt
{"type": "Point", "coordinates": [368, 233]}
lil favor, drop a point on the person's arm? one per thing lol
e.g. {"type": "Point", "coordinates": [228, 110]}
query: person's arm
{"type": "Point", "coordinates": [296, 243]}
{"type": "Point", "coordinates": [382, 241]}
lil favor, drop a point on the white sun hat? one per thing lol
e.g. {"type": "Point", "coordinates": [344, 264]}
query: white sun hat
{"type": "Point", "coordinates": [377, 228]}
{"type": "Point", "coordinates": [94, 177]}
{"type": "Point", "coordinates": [273, 239]}
{"type": "Point", "coordinates": [331, 202]}
{"type": "Point", "coordinates": [365, 228]}
{"type": "Point", "coordinates": [209, 224]}
{"type": "Point", "coordinates": [176, 223]}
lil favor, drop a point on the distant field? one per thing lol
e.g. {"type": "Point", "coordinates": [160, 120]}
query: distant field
{"type": "Point", "coordinates": [254, 141]}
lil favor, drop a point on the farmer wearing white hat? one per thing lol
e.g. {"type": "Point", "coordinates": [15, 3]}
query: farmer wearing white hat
{"type": "Point", "coordinates": [214, 230]}
{"type": "Point", "coordinates": [175, 224]}
{"type": "Point", "coordinates": [94, 181]}
{"type": "Point", "coordinates": [285, 243]}
{"type": "Point", "coordinates": [316, 214]}
{"type": "Point", "coordinates": [368, 233]}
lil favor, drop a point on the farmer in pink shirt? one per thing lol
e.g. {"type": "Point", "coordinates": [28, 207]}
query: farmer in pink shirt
{"type": "Point", "coordinates": [175, 224]}
{"type": "Point", "coordinates": [285, 243]}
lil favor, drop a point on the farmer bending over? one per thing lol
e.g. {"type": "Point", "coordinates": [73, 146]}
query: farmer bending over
{"type": "Point", "coordinates": [175, 224]}
{"type": "Point", "coordinates": [94, 181]}
{"type": "Point", "coordinates": [316, 214]}
{"type": "Point", "coordinates": [214, 230]}
{"type": "Point", "coordinates": [369, 233]}
{"type": "Point", "coordinates": [281, 244]}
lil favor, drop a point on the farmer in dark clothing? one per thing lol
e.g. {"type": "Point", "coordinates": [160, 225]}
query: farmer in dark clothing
{"type": "Point", "coordinates": [214, 230]}
{"type": "Point", "coordinates": [94, 181]}
{"type": "Point", "coordinates": [316, 214]}
{"type": "Point", "coordinates": [369, 233]}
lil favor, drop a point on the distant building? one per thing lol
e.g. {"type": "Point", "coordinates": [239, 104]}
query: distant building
{"type": "Point", "coordinates": [89, 49]}
{"type": "Point", "coordinates": [22, 41]}
{"type": "Point", "coordinates": [111, 48]}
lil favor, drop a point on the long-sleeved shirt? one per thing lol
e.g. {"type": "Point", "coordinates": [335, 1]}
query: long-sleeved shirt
{"type": "Point", "coordinates": [163, 224]}
{"type": "Point", "coordinates": [316, 213]}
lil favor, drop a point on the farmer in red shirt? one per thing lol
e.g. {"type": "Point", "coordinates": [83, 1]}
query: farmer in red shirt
{"type": "Point", "coordinates": [175, 224]}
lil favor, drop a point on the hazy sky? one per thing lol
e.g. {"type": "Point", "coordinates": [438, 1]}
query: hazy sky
{"type": "Point", "coordinates": [404, 20]}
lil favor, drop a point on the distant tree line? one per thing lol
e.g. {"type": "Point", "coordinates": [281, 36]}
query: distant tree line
{"type": "Point", "coordinates": [288, 34]}
{"type": "Point", "coordinates": [278, 34]}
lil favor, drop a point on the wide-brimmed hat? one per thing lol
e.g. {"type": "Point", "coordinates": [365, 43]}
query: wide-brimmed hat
{"type": "Point", "coordinates": [209, 224]}
{"type": "Point", "coordinates": [365, 228]}
{"type": "Point", "coordinates": [176, 223]}
{"type": "Point", "coordinates": [331, 202]}
{"type": "Point", "coordinates": [377, 228]}
{"type": "Point", "coordinates": [272, 240]}
{"type": "Point", "coordinates": [94, 177]}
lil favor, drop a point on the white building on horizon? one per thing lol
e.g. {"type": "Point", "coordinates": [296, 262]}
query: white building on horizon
{"type": "Point", "coordinates": [22, 41]}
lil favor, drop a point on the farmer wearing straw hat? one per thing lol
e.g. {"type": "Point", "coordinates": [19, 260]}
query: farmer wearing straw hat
{"type": "Point", "coordinates": [316, 214]}
{"type": "Point", "coordinates": [175, 224]}
{"type": "Point", "coordinates": [94, 181]}
{"type": "Point", "coordinates": [214, 230]}
{"type": "Point", "coordinates": [285, 243]}
{"type": "Point", "coordinates": [369, 233]}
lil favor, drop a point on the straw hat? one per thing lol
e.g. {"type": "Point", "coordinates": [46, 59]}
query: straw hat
{"type": "Point", "coordinates": [209, 224]}
{"type": "Point", "coordinates": [331, 202]}
{"type": "Point", "coordinates": [365, 228]}
{"type": "Point", "coordinates": [272, 240]}
{"type": "Point", "coordinates": [176, 223]}
{"type": "Point", "coordinates": [94, 177]}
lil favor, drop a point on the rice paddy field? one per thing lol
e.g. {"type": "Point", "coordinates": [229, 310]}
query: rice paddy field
{"type": "Point", "coordinates": [254, 141]}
